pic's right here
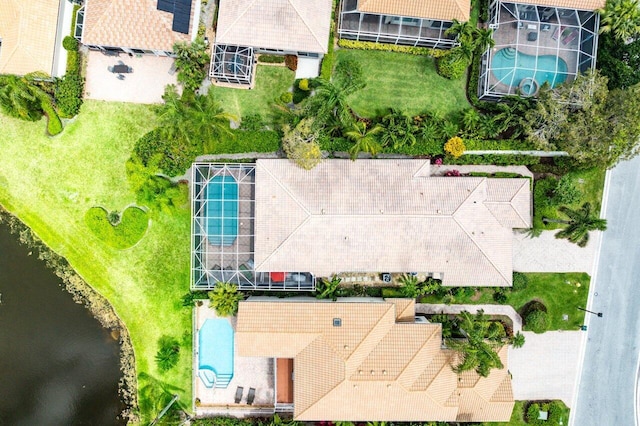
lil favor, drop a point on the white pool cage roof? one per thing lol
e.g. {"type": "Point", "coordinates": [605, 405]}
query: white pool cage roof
{"type": "Point", "coordinates": [536, 45]}
{"type": "Point", "coordinates": [222, 232]}
{"type": "Point", "coordinates": [232, 64]}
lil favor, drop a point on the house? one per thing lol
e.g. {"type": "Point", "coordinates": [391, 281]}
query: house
{"type": "Point", "coordinates": [368, 216]}
{"type": "Point", "coordinates": [538, 42]}
{"type": "Point", "coordinates": [407, 22]}
{"type": "Point", "coordinates": [247, 27]}
{"type": "Point", "coordinates": [366, 361]}
{"type": "Point", "coordinates": [30, 37]}
{"type": "Point", "coordinates": [137, 26]}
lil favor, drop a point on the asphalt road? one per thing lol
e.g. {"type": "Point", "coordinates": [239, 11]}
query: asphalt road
{"type": "Point", "coordinates": [607, 388]}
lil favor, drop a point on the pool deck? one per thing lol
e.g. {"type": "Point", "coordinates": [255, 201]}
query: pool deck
{"type": "Point", "coordinates": [249, 372]}
{"type": "Point", "coordinates": [547, 43]}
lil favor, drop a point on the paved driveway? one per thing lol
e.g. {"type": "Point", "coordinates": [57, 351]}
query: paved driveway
{"type": "Point", "coordinates": [546, 366]}
{"type": "Point", "coordinates": [548, 254]}
{"type": "Point", "coordinates": [145, 85]}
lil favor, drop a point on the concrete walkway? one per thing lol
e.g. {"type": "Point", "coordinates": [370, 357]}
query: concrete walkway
{"type": "Point", "coordinates": [546, 253]}
{"type": "Point", "coordinates": [546, 366]}
{"type": "Point", "coordinates": [506, 310]}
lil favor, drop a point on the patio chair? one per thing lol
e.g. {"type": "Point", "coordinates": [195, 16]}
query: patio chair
{"type": "Point", "coordinates": [239, 392]}
{"type": "Point", "coordinates": [110, 68]}
{"type": "Point", "coordinates": [251, 396]}
{"type": "Point", "coordinates": [120, 76]}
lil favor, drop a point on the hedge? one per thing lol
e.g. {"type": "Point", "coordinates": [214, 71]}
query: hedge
{"type": "Point", "coordinates": [450, 67]}
{"type": "Point", "coordinates": [412, 50]}
{"type": "Point", "coordinates": [502, 145]}
{"type": "Point", "coordinates": [391, 292]}
{"type": "Point", "coordinates": [248, 141]}
{"type": "Point", "coordinates": [271, 59]}
{"type": "Point", "coordinates": [54, 125]}
{"type": "Point", "coordinates": [326, 69]}
{"type": "Point", "coordinates": [494, 159]}
{"type": "Point", "coordinates": [68, 94]}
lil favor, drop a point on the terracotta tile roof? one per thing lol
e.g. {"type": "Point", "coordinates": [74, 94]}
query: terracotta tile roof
{"type": "Point", "coordinates": [28, 33]}
{"type": "Point", "coordinates": [385, 215]}
{"type": "Point", "coordinates": [446, 10]}
{"type": "Point", "coordinates": [290, 25]}
{"type": "Point", "coordinates": [405, 309]}
{"type": "Point", "coordinates": [370, 367]}
{"type": "Point", "coordinates": [571, 4]}
{"type": "Point", "coordinates": [136, 24]}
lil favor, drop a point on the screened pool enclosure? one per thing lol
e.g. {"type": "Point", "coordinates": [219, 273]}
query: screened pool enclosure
{"type": "Point", "coordinates": [535, 45]}
{"type": "Point", "coordinates": [222, 232]}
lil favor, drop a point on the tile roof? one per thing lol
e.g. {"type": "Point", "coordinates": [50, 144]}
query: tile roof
{"type": "Point", "coordinates": [345, 372]}
{"type": "Point", "coordinates": [290, 25]}
{"type": "Point", "coordinates": [28, 33]}
{"type": "Point", "coordinates": [136, 24]}
{"type": "Point", "coordinates": [570, 4]}
{"type": "Point", "coordinates": [446, 10]}
{"type": "Point", "coordinates": [387, 215]}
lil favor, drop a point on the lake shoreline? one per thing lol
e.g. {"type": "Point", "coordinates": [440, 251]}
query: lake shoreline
{"type": "Point", "coordinates": [97, 304]}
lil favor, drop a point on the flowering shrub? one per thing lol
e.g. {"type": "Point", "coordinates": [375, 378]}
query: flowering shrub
{"type": "Point", "coordinates": [452, 173]}
{"type": "Point", "coordinates": [455, 147]}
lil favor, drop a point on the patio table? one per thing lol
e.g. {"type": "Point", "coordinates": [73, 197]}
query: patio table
{"type": "Point", "coordinates": [121, 69]}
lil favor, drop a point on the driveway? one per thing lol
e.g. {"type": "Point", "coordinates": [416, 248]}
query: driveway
{"type": "Point", "coordinates": [548, 254]}
{"type": "Point", "coordinates": [145, 85]}
{"type": "Point", "coordinates": [546, 366]}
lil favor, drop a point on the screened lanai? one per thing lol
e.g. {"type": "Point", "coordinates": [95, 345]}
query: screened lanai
{"type": "Point", "coordinates": [383, 23]}
{"type": "Point", "coordinates": [232, 64]}
{"type": "Point", "coordinates": [535, 45]}
{"type": "Point", "coordinates": [222, 232]}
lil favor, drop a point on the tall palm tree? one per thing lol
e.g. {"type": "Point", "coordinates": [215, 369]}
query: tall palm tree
{"type": "Point", "coordinates": [580, 222]}
{"type": "Point", "coordinates": [364, 140]}
{"type": "Point", "coordinates": [621, 18]}
{"type": "Point", "coordinates": [21, 98]}
{"type": "Point", "coordinates": [483, 39]}
{"type": "Point", "coordinates": [225, 298]}
{"type": "Point", "coordinates": [463, 31]}
{"type": "Point", "coordinates": [329, 105]}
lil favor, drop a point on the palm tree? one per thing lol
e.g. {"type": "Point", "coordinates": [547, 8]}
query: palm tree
{"type": "Point", "coordinates": [329, 105]}
{"type": "Point", "coordinates": [477, 352]}
{"type": "Point", "coordinates": [463, 31]}
{"type": "Point", "coordinates": [470, 120]}
{"type": "Point", "coordinates": [580, 222]}
{"type": "Point", "coordinates": [621, 18]}
{"type": "Point", "coordinates": [483, 39]}
{"type": "Point", "coordinates": [21, 98]}
{"type": "Point", "coordinates": [225, 298]}
{"type": "Point", "coordinates": [364, 140]}
{"type": "Point", "coordinates": [398, 131]}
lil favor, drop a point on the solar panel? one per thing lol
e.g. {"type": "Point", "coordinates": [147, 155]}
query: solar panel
{"type": "Point", "coordinates": [182, 16]}
{"type": "Point", "coordinates": [166, 5]}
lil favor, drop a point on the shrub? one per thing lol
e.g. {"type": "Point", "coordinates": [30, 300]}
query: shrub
{"type": "Point", "coordinates": [73, 62]}
{"type": "Point", "coordinates": [520, 281]}
{"type": "Point", "coordinates": [291, 61]}
{"type": "Point", "coordinates": [536, 321]}
{"type": "Point", "coordinates": [168, 354]}
{"type": "Point", "coordinates": [495, 159]}
{"type": "Point", "coordinates": [303, 84]}
{"type": "Point", "coordinates": [392, 292]}
{"type": "Point", "coordinates": [369, 45]}
{"type": "Point", "coordinates": [286, 97]}
{"type": "Point", "coordinates": [68, 95]}
{"type": "Point", "coordinates": [451, 66]}
{"type": "Point", "coordinates": [70, 43]}
{"type": "Point", "coordinates": [328, 289]}
{"type": "Point", "coordinates": [455, 147]}
{"type": "Point", "coordinates": [517, 341]}
{"type": "Point", "coordinates": [54, 125]}
{"type": "Point", "coordinates": [533, 412]}
{"type": "Point", "coordinates": [252, 123]}
{"type": "Point", "coordinates": [499, 297]}
{"type": "Point", "coordinates": [326, 69]}
{"type": "Point", "coordinates": [566, 192]}
{"type": "Point", "coordinates": [225, 298]}
{"type": "Point", "coordinates": [191, 62]}
{"type": "Point", "coordinates": [271, 59]}
{"type": "Point", "coordinates": [503, 144]}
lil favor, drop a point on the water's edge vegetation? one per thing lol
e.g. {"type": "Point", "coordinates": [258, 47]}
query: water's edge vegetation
{"type": "Point", "coordinates": [97, 304]}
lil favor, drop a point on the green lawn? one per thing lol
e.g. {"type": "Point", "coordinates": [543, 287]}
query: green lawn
{"type": "Point", "coordinates": [50, 184]}
{"type": "Point", "coordinates": [271, 82]}
{"type": "Point", "coordinates": [409, 83]}
{"type": "Point", "coordinates": [557, 291]}
{"type": "Point", "coordinates": [517, 416]}
{"type": "Point", "coordinates": [590, 182]}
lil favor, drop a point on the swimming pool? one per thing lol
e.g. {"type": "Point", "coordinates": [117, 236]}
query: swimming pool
{"type": "Point", "coordinates": [215, 353]}
{"type": "Point", "coordinates": [511, 66]}
{"type": "Point", "coordinates": [222, 210]}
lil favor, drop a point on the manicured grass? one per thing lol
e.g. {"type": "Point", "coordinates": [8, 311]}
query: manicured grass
{"type": "Point", "coordinates": [590, 182]}
{"type": "Point", "coordinates": [126, 233]}
{"type": "Point", "coordinates": [558, 292]}
{"type": "Point", "coordinates": [271, 82]}
{"type": "Point", "coordinates": [50, 184]}
{"type": "Point", "coordinates": [409, 83]}
{"type": "Point", "coordinates": [517, 416]}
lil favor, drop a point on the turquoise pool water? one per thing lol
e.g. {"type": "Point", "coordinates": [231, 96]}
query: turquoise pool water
{"type": "Point", "coordinates": [222, 210]}
{"type": "Point", "coordinates": [511, 67]}
{"type": "Point", "coordinates": [215, 353]}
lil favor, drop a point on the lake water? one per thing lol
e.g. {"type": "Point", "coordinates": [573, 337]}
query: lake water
{"type": "Point", "coordinates": [58, 366]}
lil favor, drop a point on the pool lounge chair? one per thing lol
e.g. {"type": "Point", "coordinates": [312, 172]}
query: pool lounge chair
{"type": "Point", "coordinates": [239, 392]}
{"type": "Point", "coordinates": [251, 396]}
{"type": "Point", "coordinates": [570, 37]}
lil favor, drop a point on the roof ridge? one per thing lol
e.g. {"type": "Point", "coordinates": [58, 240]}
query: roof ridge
{"type": "Point", "coordinates": [307, 25]}
{"type": "Point", "coordinates": [515, 195]}
{"type": "Point", "coordinates": [355, 350]}
{"type": "Point", "coordinates": [437, 330]}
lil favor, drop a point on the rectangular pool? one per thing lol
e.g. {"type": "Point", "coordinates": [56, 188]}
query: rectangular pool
{"type": "Point", "coordinates": [222, 210]}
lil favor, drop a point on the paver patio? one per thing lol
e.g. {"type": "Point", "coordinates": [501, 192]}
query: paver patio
{"type": "Point", "coordinates": [145, 85]}
{"type": "Point", "coordinates": [546, 366]}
